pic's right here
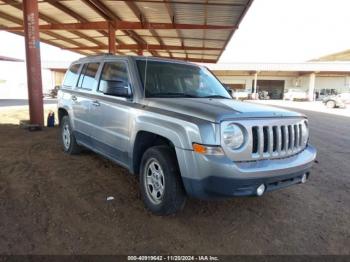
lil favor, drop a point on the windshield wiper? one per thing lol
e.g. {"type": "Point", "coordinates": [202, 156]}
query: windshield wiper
{"type": "Point", "coordinates": [215, 96]}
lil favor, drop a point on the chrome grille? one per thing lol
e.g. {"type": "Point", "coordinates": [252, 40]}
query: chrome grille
{"type": "Point", "coordinates": [277, 140]}
{"type": "Point", "coordinates": [268, 138]}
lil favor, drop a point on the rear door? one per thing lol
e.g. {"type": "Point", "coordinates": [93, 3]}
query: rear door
{"type": "Point", "coordinates": [82, 102]}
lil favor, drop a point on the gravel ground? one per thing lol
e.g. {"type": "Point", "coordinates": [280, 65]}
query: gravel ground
{"type": "Point", "coordinates": [52, 203]}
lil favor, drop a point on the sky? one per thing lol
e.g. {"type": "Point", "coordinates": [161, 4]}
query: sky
{"type": "Point", "coordinates": [12, 45]}
{"type": "Point", "coordinates": [290, 31]}
{"type": "Point", "coordinates": [271, 31]}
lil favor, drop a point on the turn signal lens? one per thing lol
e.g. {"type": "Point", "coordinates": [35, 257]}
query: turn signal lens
{"type": "Point", "coordinates": [207, 150]}
{"type": "Point", "coordinates": [199, 148]}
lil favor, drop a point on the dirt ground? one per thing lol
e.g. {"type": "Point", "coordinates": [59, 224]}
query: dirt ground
{"type": "Point", "coordinates": [13, 114]}
{"type": "Point", "coordinates": [52, 203]}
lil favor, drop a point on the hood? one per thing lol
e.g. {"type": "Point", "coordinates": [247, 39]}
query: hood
{"type": "Point", "coordinates": [217, 110]}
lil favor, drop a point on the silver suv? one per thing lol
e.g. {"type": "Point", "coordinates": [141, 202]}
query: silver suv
{"type": "Point", "coordinates": [175, 126]}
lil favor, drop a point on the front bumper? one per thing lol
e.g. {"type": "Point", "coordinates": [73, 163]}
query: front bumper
{"type": "Point", "coordinates": [217, 176]}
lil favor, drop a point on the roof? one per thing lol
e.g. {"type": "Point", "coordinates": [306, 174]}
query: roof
{"type": "Point", "coordinates": [340, 56]}
{"type": "Point", "coordinates": [193, 30]}
{"type": "Point", "coordinates": [10, 59]}
{"type": "Point", "coordinates": [284, 67]}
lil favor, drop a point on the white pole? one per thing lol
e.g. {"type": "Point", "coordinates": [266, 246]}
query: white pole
{"type": "Point", "coordinates": [255, 85]}
{"type": "Point", "coordinates": [312, 86]}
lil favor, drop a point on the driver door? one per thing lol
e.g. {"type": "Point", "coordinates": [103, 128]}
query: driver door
{"type": "Point", "coordinates": [114, 112]}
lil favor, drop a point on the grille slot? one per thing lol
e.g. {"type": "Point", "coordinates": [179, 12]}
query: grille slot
{"type": "Point", "coordinates": [296, 135]}
{"type": "Point", "coordinates": [266, 138]}
{"type": "Point", "coordinates": [283, 138]}
{"type": "Point", "coordinates": [290, 137]}
{"type": "Point", "coordinates": [276, 140]}
{"type": "Point", "coordinates": [255, 135]}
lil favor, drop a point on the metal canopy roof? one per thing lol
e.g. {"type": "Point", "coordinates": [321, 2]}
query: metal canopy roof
{"type": "Point", "coordinates": [194, 30]}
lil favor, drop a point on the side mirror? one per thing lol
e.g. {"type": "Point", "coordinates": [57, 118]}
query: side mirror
{"type": "Point", "coordinates": [117, 88]}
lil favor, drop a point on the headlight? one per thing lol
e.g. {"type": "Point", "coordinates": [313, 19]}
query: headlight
{"type": "Point", "coordinates": [304, 132]}
{"type": "Point", "coordinates": [233, 136]}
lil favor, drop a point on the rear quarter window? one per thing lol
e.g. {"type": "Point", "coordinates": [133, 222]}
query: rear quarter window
{"type": "Point", "coordinates": [87, 78]}
{"type": "Point", "coordinates": [71, 77]}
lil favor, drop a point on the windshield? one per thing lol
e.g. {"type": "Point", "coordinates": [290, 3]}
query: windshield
{"type": "Point", "coordinates": [164, 79]}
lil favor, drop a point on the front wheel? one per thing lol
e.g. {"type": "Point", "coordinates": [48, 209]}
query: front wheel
{"type": "Point", "coordinates": [161, 186]}
{"type": "Point", "coordinates": [330, 104]}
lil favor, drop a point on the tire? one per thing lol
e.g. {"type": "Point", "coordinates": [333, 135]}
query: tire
{"type": "Point", "coordinates": [69, 143]}
{"type": "Point", "coordinates": [160, 181]}
{"type": "Point", "coordinates": [330, 104]}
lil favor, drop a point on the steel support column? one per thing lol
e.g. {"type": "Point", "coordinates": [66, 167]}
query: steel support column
{"type": "Point", "coordinates": [111, 39]}
{"type": "Point", "coordinates": [32, 44]}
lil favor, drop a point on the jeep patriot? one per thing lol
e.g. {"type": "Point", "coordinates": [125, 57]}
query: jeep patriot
{"type": "Point", "coordinates": [176, 127]}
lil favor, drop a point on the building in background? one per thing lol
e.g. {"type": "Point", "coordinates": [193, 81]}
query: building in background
{"type": "Point", "coordinates": [295, 81]}
{"type": "Point", "coordinates": [57, 70]}
{"type": "Point", "coordinates": [285, 80]}
{"type": "Point", "coordinates": [13, 77]}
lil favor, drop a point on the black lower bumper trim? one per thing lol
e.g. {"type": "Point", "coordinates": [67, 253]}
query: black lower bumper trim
{"type": "Point", "coordinates": [220, 187]}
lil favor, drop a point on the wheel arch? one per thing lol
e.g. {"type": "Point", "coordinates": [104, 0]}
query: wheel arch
{"type": "Point", "coordinates": [61, 113]}
{"type": "Point", "coordinates": [145, 140]}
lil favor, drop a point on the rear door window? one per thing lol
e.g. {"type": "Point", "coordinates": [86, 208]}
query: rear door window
{"type": "Point", "coordinates": [87, 79]}
{"type": "Point", "coordinates": [71, 78]}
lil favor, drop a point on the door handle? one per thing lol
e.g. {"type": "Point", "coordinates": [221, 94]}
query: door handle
{"type": "Point", "coordinates": [96, 103]}
{"type": "Point", "coordinates": [74, 98]}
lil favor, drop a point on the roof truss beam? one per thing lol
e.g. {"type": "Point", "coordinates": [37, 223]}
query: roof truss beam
{"type": "Point", "coordinates": [197, 60]}
{"type": "Point", "coordinates": [52, 34]}
{"type": "Point", "coordinates": [48, 19]}
{"type": "Point", "coordinates": [109, 16]}
{"type": "Point", "coordinates": [70, 12]}
{"type": "Point", "coordinates": [121, 25]}
{"type": "Point", "coordinates": [216, 3]}
{"type": "Point", "coordinates": [134, 8]}
{"type": "Point", "coordinates": [166, 37]}
{"type": "Point", "coordinates": [145, 47]}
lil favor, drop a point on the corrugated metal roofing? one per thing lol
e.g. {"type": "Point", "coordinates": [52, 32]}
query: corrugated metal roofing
{"type": "Point", "coordinates": [191, 12]}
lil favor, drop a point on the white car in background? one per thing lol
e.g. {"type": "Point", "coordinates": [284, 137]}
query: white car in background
{"type": "Point", "coordinates": [340, 100]}
{"type": "Point", "coordinates": [295, 94]}
{"type": "Point", "coordinates": [240, 94]}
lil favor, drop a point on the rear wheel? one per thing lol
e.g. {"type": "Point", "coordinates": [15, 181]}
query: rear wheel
{"type": "Point", "coordinates": [330, 104]}
{"type": "Point", "coordinates": [69, 142]}
{"type": "Point", "coordinates": [161, 186]}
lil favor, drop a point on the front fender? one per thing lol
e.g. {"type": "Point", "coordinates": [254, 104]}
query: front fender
{"type": "Point", "coordinates": [181, 134]}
